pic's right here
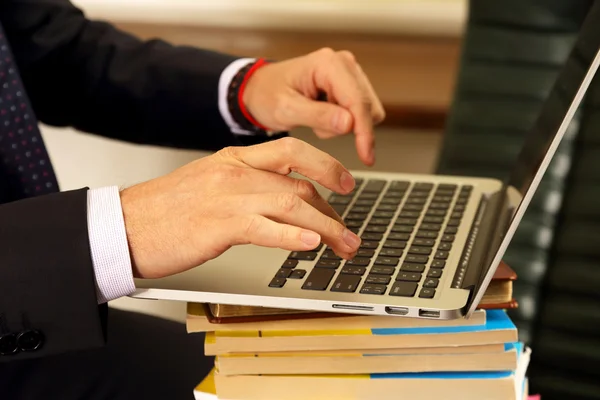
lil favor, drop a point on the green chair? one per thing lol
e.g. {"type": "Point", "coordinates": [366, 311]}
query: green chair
{"type": "Point", "coordinates": [512, 52]}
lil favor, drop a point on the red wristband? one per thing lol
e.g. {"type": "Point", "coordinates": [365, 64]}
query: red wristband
{"type": "Point", "coordinates": [260, 63]}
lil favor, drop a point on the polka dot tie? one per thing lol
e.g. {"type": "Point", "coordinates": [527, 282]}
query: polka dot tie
{"type": "Point", "coordinates": [23, 155]}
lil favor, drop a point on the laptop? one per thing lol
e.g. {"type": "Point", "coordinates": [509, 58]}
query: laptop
{"type": "Point", "coordinates": [430, 243]}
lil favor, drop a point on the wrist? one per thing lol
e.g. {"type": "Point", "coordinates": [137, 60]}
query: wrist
{"type": "Point", "coordinates": [241, 95]}
{"type": "Point", "coordinates": [128, 207]}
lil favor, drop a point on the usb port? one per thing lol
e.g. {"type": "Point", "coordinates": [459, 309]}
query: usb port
{"type": "Point", "coordinates": [429, 313]}
{"type": "Point", "coordinates": [396, 310]}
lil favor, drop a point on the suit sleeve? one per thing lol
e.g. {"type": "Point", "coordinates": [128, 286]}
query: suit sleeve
{"type": "Point", "coordinates": [95, 78]}
{"type": "Point", "coordinates": [46, 277]}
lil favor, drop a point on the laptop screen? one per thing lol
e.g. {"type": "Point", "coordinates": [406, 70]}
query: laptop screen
{"type": "Point", "coordinates": [544, 137]}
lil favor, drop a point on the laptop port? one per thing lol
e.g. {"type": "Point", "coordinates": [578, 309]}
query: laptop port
{"type": "Point", "coordinates": [349, 307]}
{"type": "Point", "coordinates": [429, 313]}
{"type": "Point", "coordinates": [396, 310]}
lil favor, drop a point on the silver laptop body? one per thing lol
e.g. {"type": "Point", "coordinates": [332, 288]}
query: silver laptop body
{"type": "Point", "coordinates": [431, 244]}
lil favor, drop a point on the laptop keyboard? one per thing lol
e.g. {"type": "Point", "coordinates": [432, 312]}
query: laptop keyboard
{"type": "Point", "coordinates": [407, 231]}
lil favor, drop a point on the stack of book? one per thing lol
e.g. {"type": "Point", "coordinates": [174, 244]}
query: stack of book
{"type": "Point", "coordinates": [274, 354]}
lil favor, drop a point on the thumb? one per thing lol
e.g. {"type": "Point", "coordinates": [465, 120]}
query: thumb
{"type": "Point", "coordinates": [319, 115]}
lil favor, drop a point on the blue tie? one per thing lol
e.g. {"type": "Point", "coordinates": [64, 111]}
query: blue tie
{"type": "Point", "coordinates": [23, 155]}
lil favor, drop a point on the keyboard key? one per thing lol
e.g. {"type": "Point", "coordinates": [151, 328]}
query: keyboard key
{"type": "Point", "coordinates": [289, 264]}
{"type": "Point", "coordinates": [447, 186]}
{"type": "Point", "coordinates": [365, 253]}
{"type": "Point", "coordinates": [365, 202]}
{"type": "Point", "coordinates": [380, 221]}
{"type": "Point", "coordinates": [453, 222]}
{"type": "Point", "coordinates": [394, 244]}
{"type": "Point", "coordinates": [427, 234]}
{"type": "Point", "coordinates": [430, 227]}
{"type": "Point", "coordinates": [330, 255]}
{"type": "Point", "coordinates": [439, 206]}
{"type": "Point", "coordinates": [342, 200]}
{"type": "Point", "coordinates": [318, 279]}
{"type": "Point", "coordinates": [466, 188]}
{"type": "Point", "coordinates": [410, 214]}
{"type": "Point", "coordinates": [456, 215]}
{"type": "Point", "coordinates": [368, 195]}
{"type": "Point", "coordinates": [360, 271]}
{"type": "Point", "coordinates": [405, 289]}
{"type": "Point", "coordinates": [451, 230]}
{"type": "Point", "coordinates": [360, 209]}
{"type": "Point", "coordinates": [378, 279]}
{"type": "Point", "coordinates": [387, 207]}
{"type": "Point", "coordinates": [406, 221]}
{"type": "Point", "coordinates": [431, 283]}
{"type": "Point", "coordinates": [383, 214]}
{"type": "Point", "coordinates": [376, 270]}
{"type": "Point", "coordinates": [423, 242]}
{"type": "Point", "coordinates": [411, 258]}
{"type": "Point", "coordinates": [441, 199]}
{"type": "Point", "coordinates": [420, 250]}
{"type": "Point", "coordinates": [441, 255]}
{"type": "Point", "coordinates": [394, 194]}
{"type": "Point", "coordinates": [356, 216]}
{"type": "Point", "coordinates": [420, 193]}
{"type": "Point", "coordinates": [408, 276]}
{"type": "Point", "coordinates": [325, 263]}
{"type": "Point", "coordinates": [438, 264]}
{"type": "Point", "coordinates": [283, 273]}
{"type": "Point", "coordinates": [277, 282]}
{"type": "Point", "coordinates": [432, 220]}
{"type": "Point", "coordinates": [434, 273]}
{"type": "Point", "coordinates": [436, 213]}
{"type": "Point", "coordinates": [402, 228]}
{"type": "Point", "coordinates": [375, 228]}
{"type": "Point", "coordinates": [399, 185]}
{"type": "Point", "coordinates": [391, 261]}
{"type": "Point", "coordinates": [346, 283]}
{"type": "Point", "coordinates": [445, 246]}
{"type": "Point", "coordinates": [427, 293]}
{"type": "Point", "coordinates": [298, 274]}
{"type": "Point", "coordinates": [459, 207]}
{"type": "Point", "coordinates": [416, 200]}
{"type": "Point", "coordinates": [374, 185]}
{"type": "Point", "coordinates": [423, 186]}
{"type": "Point", "coordinates": [408, 267]}
{"type": "Point", "coordinates": [373, 289]}
{"type": "Point", "coordinates": [462, 200]}
{"type": "Point", "coordinates": [359, 261]}
{"type": "Point", "coordinates": [391, 200]}
{"type": "Point", "coordinates": [447, 238]}
{"type": "Point", "coordinates": [354, 224]}
{"type": "Point", "coordinates": [442, 192]}
{"type": "Point", "coordinates": [367, 244]}
{"type": "Point", "coordinates": [398, 236]}
{"type": "Point", "coordinates": [303, 255]}
{"type": "Point", "coordinates": [391, 252]}
{"type": "Point", "coordinates": [412, 207]}
{"type": "Point", "coordinates": [372, 236]}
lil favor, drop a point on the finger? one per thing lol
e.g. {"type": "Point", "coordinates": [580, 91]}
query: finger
{"type": "Point", "coordinates": [303, 111]}
{"type": "Point", "coordinates": [293, 210]}
{"type": "Point", "coordinates": [292, 155]}
{"type": "Point", "coordinates": [341, 81]}
{"type": "Point", "coordinates": [261, 231]}
{"type": "Point", "coordinates": [377, 110]}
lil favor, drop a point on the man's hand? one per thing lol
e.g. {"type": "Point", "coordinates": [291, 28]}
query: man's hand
{"type": "Point", "coordinates": [239, 195]}
{"type": "Point", "coordinates": [284, 95]}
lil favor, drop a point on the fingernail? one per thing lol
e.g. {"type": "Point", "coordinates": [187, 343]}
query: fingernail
{"type": "Point", "coordinates": [310, 238]}
{"type": "Point", "coordinates": [347, 181]}
{"type": "Point", "coordinates": [351, 239]}
{"type": "Point", "coordinates": [341, 121]}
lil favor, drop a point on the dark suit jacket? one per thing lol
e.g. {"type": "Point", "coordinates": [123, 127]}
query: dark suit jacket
{"type": "Point", "coordinates": [90, 76]}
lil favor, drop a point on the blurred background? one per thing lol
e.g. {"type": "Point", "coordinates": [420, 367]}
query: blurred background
{"type": "Point", "coordinates": [408, 48]}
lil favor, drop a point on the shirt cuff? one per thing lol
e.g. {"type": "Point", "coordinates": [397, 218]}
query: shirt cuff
{"type": "Point", "coordinates": [108, 244]}
{"type": "Point", "coordinates": [224, 82]}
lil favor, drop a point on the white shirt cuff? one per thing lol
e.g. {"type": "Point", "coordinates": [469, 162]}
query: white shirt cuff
{"type": "Point", "coordinates": [224, 82]}
{"type": "Point", "coordinates": [108, 244]}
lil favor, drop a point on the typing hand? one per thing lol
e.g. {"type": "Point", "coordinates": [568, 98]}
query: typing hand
{"type": "Point", "coordinates": [239, 195]}
{"type": "Point", "coordinates": [284, 95]}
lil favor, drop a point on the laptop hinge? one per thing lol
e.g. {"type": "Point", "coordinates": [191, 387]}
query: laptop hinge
{"type": "Point", "coordinates": [484, 238]}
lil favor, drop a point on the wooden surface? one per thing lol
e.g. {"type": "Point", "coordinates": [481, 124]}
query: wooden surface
{"type": "Point", "coordinates": [414, 76]}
